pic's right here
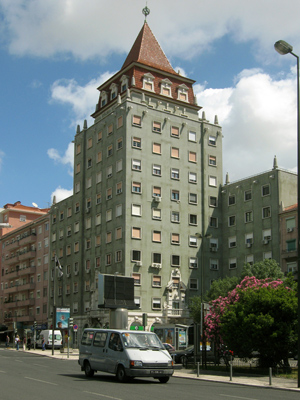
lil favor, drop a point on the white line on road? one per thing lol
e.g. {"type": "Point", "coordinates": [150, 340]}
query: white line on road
{"type": "Point", "coordinates": [103, 395]}
{"type": "Point", "coordinates": [237, 397]}
{"type": "Point", "coordinates": [38, 380]}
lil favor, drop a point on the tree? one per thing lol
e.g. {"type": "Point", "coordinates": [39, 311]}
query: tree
{"type": "Point", "coordinates": [195, 309]}
{"type": "Point", "coordinates": [262, 270]}
{"type": "Point", "coordinates": [257, 316]}
{"type": "Point", "coordinates": [221, 287]}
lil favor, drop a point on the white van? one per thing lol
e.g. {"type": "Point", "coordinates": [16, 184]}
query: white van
{"type": "Point", "coordinates": [127, 354]}
{"type": "Point", "coordinates": [47, 336]}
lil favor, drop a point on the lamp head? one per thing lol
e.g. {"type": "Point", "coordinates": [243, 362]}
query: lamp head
{"type": "Point", "coordinates": [283, 47]}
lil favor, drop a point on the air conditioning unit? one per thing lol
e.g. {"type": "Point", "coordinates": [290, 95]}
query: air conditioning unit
{"type": "Point", "coordinates": [214, 249]}
{"type": "Point", "coordinates": [75, 272]}
{"type": "Point", "coordinates": [290, 229]}
{"type": "Point", "coordinates": [156, 265]}
{"type": "Point", "coordinates": [68, 275]}
{"type": "Point", "coordinates": [157, 198]}
{"type": "Point", "coordinates": [87, 210]}
{"type": "Point", "coordinates": [265, 241]}
{"type": "Point", "coordinates": [138, 263]}
{"type": "Point", "coordinates": [248, 245]}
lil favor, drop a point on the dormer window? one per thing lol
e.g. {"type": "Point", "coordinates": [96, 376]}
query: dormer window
{"type": "Point", "coordinates": [148, 82]}
{"type": "Point", "coordinates": [124, 83]}
{"type": "Point", "coordinates": [165, 87]}
{"type": "Point", "coordinates": [113, 91]}
{"type": "Point", "coordinates": [182, 93]}
{"type": "Point", "coordinates": [103, 98]}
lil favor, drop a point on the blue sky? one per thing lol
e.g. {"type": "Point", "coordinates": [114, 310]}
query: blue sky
{"type": "Point", "coordinates": [55, 53]}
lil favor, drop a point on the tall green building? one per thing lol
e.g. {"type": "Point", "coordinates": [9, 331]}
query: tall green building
{"type": "Point", "coordinates": [147, 179]}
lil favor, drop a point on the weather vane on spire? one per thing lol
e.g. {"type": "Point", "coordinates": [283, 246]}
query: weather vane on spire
{"type": "Point", "coordinates": [146, 12]}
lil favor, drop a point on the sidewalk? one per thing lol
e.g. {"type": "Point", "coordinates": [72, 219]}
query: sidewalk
{"type": "Point", "coordinates": [262, 381]}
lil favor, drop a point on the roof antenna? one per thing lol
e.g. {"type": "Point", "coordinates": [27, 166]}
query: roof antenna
{"type": "Point", "coordinates": [146, 12]}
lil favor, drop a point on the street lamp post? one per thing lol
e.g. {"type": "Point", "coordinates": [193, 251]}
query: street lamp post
{"type": "Point", "coordinates": [283, 48]}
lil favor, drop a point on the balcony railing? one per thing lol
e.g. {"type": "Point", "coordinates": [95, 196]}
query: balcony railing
{"type": "Point", "coordinates": [177, 312]}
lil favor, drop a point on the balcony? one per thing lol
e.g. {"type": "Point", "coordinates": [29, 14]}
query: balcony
{"type": "Point", "coordinates": [28, 239]}
{"type": "Point", "coordinates": [20, 303]}
{"type": "Point", "coordinates": [27, 255]}
{"type": "Point", "coordinates": [26, 271]}
{"type": "Point", "coordinates": [176, 313]}
{"type": "Point", "coordinates": [19, 288]}
{"type": "Point", "coordinates": [11, 260]}
{"type": "Point", "coordinates": [12, 245]}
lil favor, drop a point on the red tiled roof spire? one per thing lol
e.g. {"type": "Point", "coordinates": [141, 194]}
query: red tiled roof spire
{"type": "Point", "coordinates": [146, 50]}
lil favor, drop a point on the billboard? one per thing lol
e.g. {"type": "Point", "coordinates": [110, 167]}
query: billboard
{"type": "Point", "coordinates": [62, 317]}
{"type": "Point", "coordinates": [116, 291]}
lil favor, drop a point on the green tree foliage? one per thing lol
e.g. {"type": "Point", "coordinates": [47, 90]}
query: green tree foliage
{"type": "Point", "coordinates": [195, 309]}
{"type": "Point", "coordinates": [221, 287]}
{"type": "Point", "coordinates": [262, 270]}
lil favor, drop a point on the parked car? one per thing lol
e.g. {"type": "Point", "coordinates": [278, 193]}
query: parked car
{"type": "Point", "coordinates": [187, 355]}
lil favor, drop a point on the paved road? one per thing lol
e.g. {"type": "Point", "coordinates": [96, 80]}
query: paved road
{"type": "Point", "coordinates": [26, 375]}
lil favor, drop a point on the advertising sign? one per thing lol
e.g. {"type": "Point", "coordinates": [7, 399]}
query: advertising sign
{"type": "Point", "coordinates": [62, 318]}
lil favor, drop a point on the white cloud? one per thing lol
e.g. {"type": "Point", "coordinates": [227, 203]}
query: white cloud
{"type": "Point", "coordinates": [93, 28]}
{"type": "Point", "coordinates": [82, 99]}
{"type": "Point", "coordinates": [66, 159]}
{"type": "Point", "coordinates": [258, 117]}
{"type": "Point", "coordinates": [61, 194]}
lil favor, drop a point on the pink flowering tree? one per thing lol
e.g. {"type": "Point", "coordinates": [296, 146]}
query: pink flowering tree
{"type": "Point", "coordinates": [258, 316]}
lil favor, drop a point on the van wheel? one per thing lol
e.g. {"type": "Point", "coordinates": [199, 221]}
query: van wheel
{"type": "Point", "coordinates": [164, 379]}
{"type": "Point", "coordinates": [121, 374]}
{"type": "Point", "coordinates": [89, 372]}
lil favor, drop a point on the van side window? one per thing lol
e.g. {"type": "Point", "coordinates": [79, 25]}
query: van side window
{"type": "Point", "coordinates": [87, 338]}
{"type": "Point", "coordinates": [115, 342]}
{"type": "Point", "coordinates": [100, 339]}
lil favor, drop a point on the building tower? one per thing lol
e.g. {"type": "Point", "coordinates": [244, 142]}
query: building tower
{"type": "Point", "coordinates": [147, 175]}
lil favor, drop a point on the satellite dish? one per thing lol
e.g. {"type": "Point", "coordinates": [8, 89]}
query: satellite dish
{"type": "Point", "coordinates": [35, 205]}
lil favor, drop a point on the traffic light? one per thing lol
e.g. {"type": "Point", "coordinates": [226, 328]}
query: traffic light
{"type": "Point", "coordinates": [34, 325]}
{"type": "Point", "coordinates": [71, 322]}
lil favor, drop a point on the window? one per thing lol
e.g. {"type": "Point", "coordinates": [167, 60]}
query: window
{"type": "Point", "coordinates": [192, 136]}
{"type": "Point", "coordinates": [148, 80]}
{"type": "Point", "coordinates": [291, 245]}
{"type": "Point", "coordinates": [136, 255]}
{"type": "Point", "coordinates": [248, 216]}
{"type": "Point", "coordinates": [110, 129]}
{"type": "Point", "coordinates": [118, 233]}
{"type": "Point", "coordinates": [119, 165]}
{"type": "Point", "coordinates": [109, 172]}
{"type": "Point", "coordinates": [120, 121]}
{"type": "Point", "coordinates": [175, 216]}
{"type": "Point", "coordinates": [165, 88]}
{"type": "Point", "coordinates": [108, 193]}
{"type": "Point", "coordinates": [99, 156]}
{"type": "Point", "coordinates": [118, 256]}
{"type": "Point", "coordinates": [156, 304]}
{"type": "Point", "coordinates": [136, 165]}
{"type": "Point", "coordinates": [108, 259]}
{"type": "Point", "coordinates": [156, 281]}
{"type": "Point", "coordinates": [266, 212]}
{"type": "Point", "coordinates": [110, 150]}
{"type": "Point", "coordinates": [137, 143]}
{"type": "Point", "coordinates": [182, 92]}
{"type": "Point", "coordinates": [118, 210]}
{"type": "Point", "coordinates": [248, 195]}
{"type": "Point", "coordinates": [175, 131]}
{"type": "Point", "coordinates": [136, 187]}
{"type": "Point", "coordinates": [156, 148]}
{"type": "Point", "coordinates": [119, 143]}
{"type": "Point", "coordinates": [78, 168]}
{"type": "Point", "coordinates": [76, 247]}
{"type": "Point", "coordinates": [136, 209]}
{"type": "Point", "coordinates": [174, 152]}
{"type": "Point", "coordinates": [108, 215]}
{"type": "Point", "coordinates": [290, 224]}
{"type": "Point", "coordinates": [231, 220]}
{"type": "Point", "coordinates": [156, 258]}
{"type": "Point", "coordinates": [156, 236]}
{"type": "Point", "coordinates": [89, 143]}
{"type": "Point", "coordinates": [231, 199]}
{"type": "Point", "coordinates": [137, 279]}
{"type": "Point", "coordinates": [250, 259]}
{"type": "Point", "coordinates": [193, 198]}
{"type": "Point", "coordinates": [192, 241]}
{"type": "Point", "coordinates": [267, 255]}
{"type": "Point", "coordinates": [119, 188]}
{"type": "Point", "coordinates": [265, 190]}
{"type": "Point", "coordinates": [175, 238]}
{"type": "Point", "coordinates": [156, 170]}
{"type": "Point", "coordinates": [103, 98]}
{"type": "Point", "coordinates": [98, 219]}
{"type": "Point", "coordinates": [212, 181]}
{"type": "Point", "coordinates": [267, 235]}
{"type": "Point", "coordinates": [99, 136]}
{"type": "Point", "coordinates": [232, 263]}
{"type": "Point", "coordinates": [192, 177]}
{"type": "Point", "coordinates": [213, 201]}
{"type": "Point", "coordinates": [136, 233]}
{"type": "Point", "coordinates": [78, 149]}
{"type": "Point", "coordinates": [192, 156]}
{"type": "Point", "coordinates": [232, 242]}
{"type": "Point", "coordinates": [89, 163]}
{"type": "Point", "coordinates": [175, 260]}
{"type": "Point", "coordinates": [193, 219]}
{"type": "Point", "coordinates": [214, 264]}
{"type": "Point", "coordinates": [249, 239]}
{"type": "Point", "coordinates": [108, 237]}
{"type": "Point", "coordinates": [156, 213]}
{"type": "Point", "coordinates": [174, 173]}
{"type": "Point", "coordinates": [193, 284]}
{"type": "Point", "coordinates": [175, 195]}
{"type": "Point", "coordinates": [77, 188]}
{"type": "Point", "coordinates": [156, 127]}
{"type": "Point", "coordinates": [212, 140]}
{"type": "Point", "coordinates": [124, 83]}
{"type": "Point", "coordinates": [212, 160]}
{"type": "Point", "coordinates": [193, 262]}
{"type": "Point", "coordinates": [136, 120]}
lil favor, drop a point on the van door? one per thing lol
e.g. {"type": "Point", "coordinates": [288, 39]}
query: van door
{"type": "Point", "coordinates": [114, 353]}
{"type": "Point", "coordinates": [98, 357]}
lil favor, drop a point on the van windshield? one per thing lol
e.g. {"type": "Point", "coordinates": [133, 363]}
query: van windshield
{"type": "Point", "coordinates": [141, 341]}
{"type": "Point", "coordinates": [56, 337]}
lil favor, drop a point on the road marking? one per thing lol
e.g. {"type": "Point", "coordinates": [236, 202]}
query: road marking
{"type": "Point", "coordinates": [38, 380]}
{"type": "Point", "coordinates": [103, 395]}
{"type": "Point", "coordinates": [237, 397]}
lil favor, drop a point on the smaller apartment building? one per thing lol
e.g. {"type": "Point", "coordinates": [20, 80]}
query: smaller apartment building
{"type": "Point", "coordinates": [288, 222]}
{"type": "Point", "coordinates": [24, 273]}
{"type": "Point", "coordinates": [251, 217]}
